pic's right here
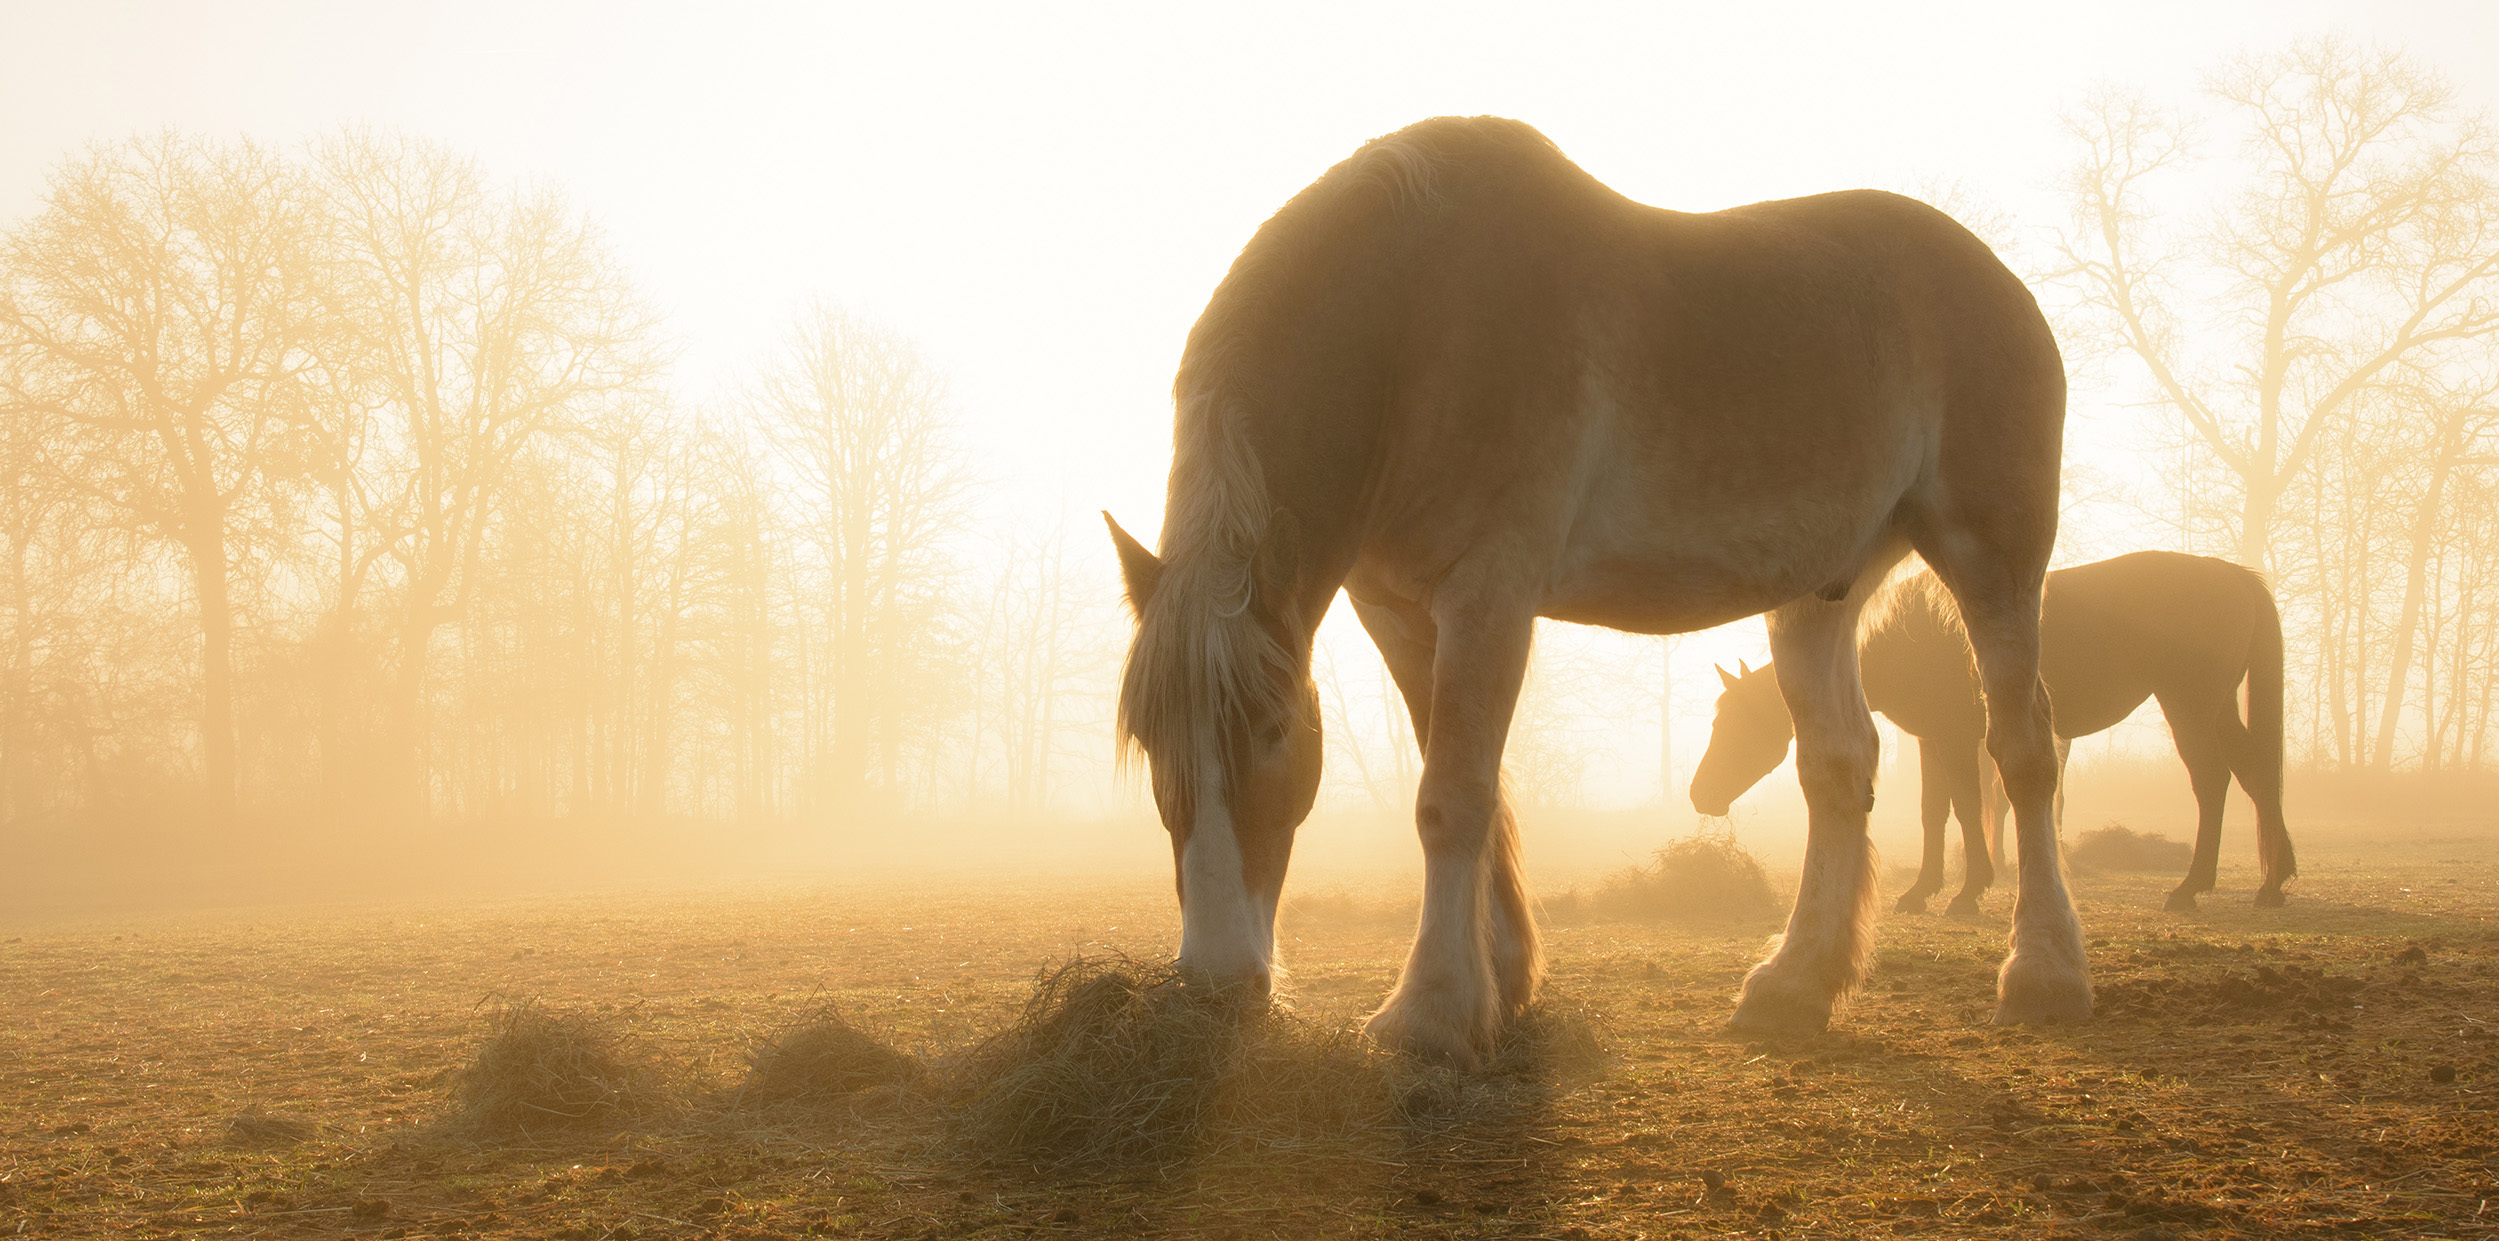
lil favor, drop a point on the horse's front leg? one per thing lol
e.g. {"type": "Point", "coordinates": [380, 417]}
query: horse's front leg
{"type": "Point", "coordinates": [2045, 977]}
{"type": "Point", "coordinates": [1830, 933]}
{"type": "Point", "coordinates": [1475, 961]}
{"type": "Point", "coordinates": [1409, 640]}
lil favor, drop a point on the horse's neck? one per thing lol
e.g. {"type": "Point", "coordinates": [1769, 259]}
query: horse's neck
{"type": "Point", "coordinates": [1315, 458]}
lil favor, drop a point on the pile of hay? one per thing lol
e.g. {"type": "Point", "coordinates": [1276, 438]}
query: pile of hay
{"type": "Point", "coordinates": [821, 1059]}
{"type": "Point", "coordinates": [1704, 875]}
{"type": "Point", "coordinates": [541, 1068]}
{"type": "Point", "coordinates": [2118, 848]}
{"type": "Point", "coordinates": [1113, 1062]}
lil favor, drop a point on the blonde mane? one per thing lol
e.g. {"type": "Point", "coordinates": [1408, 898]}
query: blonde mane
{"type": "Point", "coordinates": [1204, 667]}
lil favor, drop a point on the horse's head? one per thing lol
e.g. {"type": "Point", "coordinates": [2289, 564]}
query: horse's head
{"type": "Point", "coordinates": [1747, 740]}
{"type": "Point", "coordinates": [1218, 695]}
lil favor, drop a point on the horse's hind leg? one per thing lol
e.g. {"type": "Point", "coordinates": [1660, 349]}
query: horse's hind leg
{"type": "Point", "coordinates": [2045, 977]}
{"type": "Point", "coordinates": [1474, 961]}
{"type": "Point", "coordinates": [1935, 813]}
{"type": "Point", "coordinates": [1830, 933]}
{"type": "Point", "coordinates": [2263, 782]}
{"type": "Point", "coordinates": [2204, 748]}
{"type": "Point", "coordinates": [1968, 775]}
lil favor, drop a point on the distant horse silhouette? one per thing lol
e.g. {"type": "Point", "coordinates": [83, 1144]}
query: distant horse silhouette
{"type": "Point", "coordinates": [2185, 630]}
{"type": "Point", "coordinates": [1471, 385]}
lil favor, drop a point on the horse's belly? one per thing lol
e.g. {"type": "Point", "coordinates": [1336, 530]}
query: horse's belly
{"type": "Point", "coordinates": [1668, 592]}
{"type": "Point", "coordinates": [1685, 523]}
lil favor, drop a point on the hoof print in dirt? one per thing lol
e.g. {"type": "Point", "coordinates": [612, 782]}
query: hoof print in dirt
{"type": "Point", "coordinates": [263, 1129]}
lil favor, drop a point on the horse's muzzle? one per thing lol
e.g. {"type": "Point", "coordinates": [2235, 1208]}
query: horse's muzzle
{"type": "Point", "coordinates": [1246, 981]}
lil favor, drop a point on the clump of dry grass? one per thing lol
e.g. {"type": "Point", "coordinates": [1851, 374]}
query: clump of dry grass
{"type": "Point", "coordinates": [1109, 1062]}
{"type": "Point", "coordinates": [2116, 848]}
{"type": "Point", "coordinates": [1704, 875]}
{"type": "Point", "coordinates": [542, 1068]}
{"type": "Point", "coordinates": [821, 1059]}
{"type": "Point", "coordinates": [1113, 1062]}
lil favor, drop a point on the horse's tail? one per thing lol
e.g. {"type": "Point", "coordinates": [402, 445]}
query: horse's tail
{"type": "Point", "coordinates": [2263, 776]}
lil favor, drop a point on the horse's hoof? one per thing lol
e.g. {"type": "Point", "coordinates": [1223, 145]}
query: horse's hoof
{"type": "Point", "coordinates": [2182, 901]}
{"type": "Point", "coordinates": [2269, 898]}
{"type": "Point", "coordinates": [1439, 1030]}
{"type": "Point", "coordinates": [2037, 990]}
{"type": "Point", "coordinates": [1963, 906]}
{"type": "Point", "coordinates": [1774, 1005]}
{"type": "Point", "coordinates": [1910, 903]}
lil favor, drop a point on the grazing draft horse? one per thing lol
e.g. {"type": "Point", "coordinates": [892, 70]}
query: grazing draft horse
{"type": "Point", "coordinates": [1472, 386]}
{"type": "Point", "coordinates": [2183, 630]}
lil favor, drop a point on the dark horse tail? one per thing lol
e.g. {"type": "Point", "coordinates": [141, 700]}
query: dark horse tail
{"type": "Point", "coordinates": [2263, 774]}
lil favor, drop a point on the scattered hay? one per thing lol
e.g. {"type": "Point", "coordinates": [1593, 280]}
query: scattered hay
{"type": "Point", "coordinates": [819, 1060]}
{"type": "Point", "coordinates": [541, 1068]}
{"type": "Point", "coordinates": [1114, 1062]}
{"type": "Point", "coordinates": [1704, 875]}
{"type": "Point", "coordinates": [259, 1128]}
{"type": "Point", "coordinates": [2118, 848]}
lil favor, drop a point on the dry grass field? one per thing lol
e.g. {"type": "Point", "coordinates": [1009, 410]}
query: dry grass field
{"type": "Point", "coordinates": [2323, 1069]}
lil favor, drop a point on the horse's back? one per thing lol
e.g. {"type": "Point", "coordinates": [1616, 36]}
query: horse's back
{"type": "Point", "coordinates": [2156, 622]}
{"type": "Point", "coordinates": [1458, 338]}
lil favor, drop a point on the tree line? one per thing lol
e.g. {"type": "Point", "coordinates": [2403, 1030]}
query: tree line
{"type": "Point", "coordinates": [344, 481]}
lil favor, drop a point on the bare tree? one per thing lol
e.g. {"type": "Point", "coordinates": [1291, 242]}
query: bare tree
{"type": "Point", "coordinates": [486, 322]}
{"type": "Point", "coordinates": [860, 417]}
{"type": "Point", "coordinates": [745, 541]}
{"type": "Point", "coordinates": [1038, 651]}
{"type": "Point", "coordinates": [2458, 426]}
{"type": "Point", "coordinates": [2356, 242]}
{"type": "Point", "coordinates": [162, 304]}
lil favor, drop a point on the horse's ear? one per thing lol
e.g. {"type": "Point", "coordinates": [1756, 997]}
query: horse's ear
{"type": "Point", "coordinates": [1137, 566]}
{"type": "Point", "coordinates": [1725, 677]}
{"type": "Point", "coordinates": [1741, 671]}
{"type": "Point", "coordinates": [1278, 565]}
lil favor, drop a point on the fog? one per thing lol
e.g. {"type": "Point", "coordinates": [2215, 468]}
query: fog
{"type": "Point", "coordinates": [488, 449]}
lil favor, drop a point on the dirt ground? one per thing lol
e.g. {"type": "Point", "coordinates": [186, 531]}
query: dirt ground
{"type": "Point", "coordinates": [2322, 1069]}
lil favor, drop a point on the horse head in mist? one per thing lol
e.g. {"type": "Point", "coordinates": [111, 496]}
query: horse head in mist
{"type": "Point", "coordinates": [1748, 738]}
{"type": "Point", "coordinates": [1230, 728]}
